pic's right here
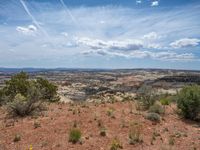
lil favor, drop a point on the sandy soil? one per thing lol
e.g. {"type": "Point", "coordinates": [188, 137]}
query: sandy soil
{"type": "Point", "coordinates": [59, 119]}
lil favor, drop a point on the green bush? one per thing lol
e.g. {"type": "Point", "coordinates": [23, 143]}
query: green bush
{"type": "Point", "coordinates": [147, 96]}
{"type": "Point", "coordinates": [153, 117]}
{"type": "Point", "coordinates": [165, 101]}
{"type": "Point", "coordinates": [74, 135]}
{"type": "Point", "coordinates": [20, 84]}
{"type": "Point", "coordinates": [24, 96]}
{"type": "Point", "coordinates": [157, 108]}
{"type": "Point", "coordinates": [23, 106]}
{"type": "Point", "coordinates": [49, 90]}
{"type": "Point", "coordinates": [188, 101]}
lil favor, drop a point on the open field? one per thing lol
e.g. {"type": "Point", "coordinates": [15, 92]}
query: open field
{"type": "Point", "coordinates": [104, 106]}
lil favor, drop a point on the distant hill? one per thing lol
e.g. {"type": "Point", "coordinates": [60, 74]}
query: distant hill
{"type": "Point", "coordinates": [32, 70]}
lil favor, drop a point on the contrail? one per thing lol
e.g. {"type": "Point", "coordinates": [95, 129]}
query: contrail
{"type": "Point", "coordinates": [68, 11]}
{"type": "Point", "coordinates": [33, 18]}
{"type": "Point", "coordinates": [71, 16]}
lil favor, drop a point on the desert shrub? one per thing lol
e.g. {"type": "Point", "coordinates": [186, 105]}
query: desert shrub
{"type": "Point", "coordinates": [153, 117]}
{"type": "Point", "coordinates": [135, 134]}
{"type": "Point", "coordinates": [188, 101]}
{"type": "Point", "coordinates": [23, 106]}
{"type": "Point", "coordinates": [24, 96]}
{"type": "Point", "coordinates": [20, 84]}
{"type": "Point", "coordinates": [165, 101]}
{"type": "Point", "coordinates": [147, 96]}
{"type": "Point", "coordinates": [17, 84]}
{"type": "Point", "coordinates": [116, 144]}
{"type": "Point", "coordinates": [157, 108]}
{"type": "Point", "coordinates": [49, 90]}
{"type": "Point", "coordinates": [75, 135]}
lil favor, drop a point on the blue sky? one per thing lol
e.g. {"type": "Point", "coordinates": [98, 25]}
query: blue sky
{"type": "Point", "coordinates": [100, 33]}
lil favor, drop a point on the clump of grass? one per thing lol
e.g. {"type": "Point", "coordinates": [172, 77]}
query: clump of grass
{"type": "Point", "coordinates": [100, 123]}
{"type": "Point", "coordinates": [112, 99]}
{"type": "Point", "coordinates": [74, 111]}
{"type": "Point", "coordinates": [171, 140]}
{"type": "Point", "coordinates": [75, 135]}
{"type": "Point", "coordinates": [110, 112]}
{"type": "Point", "coordinates": [116, 144]}
{"type": "Point", "coordinates": [154, 135]}
{"type": "Point", "coordinates": [36, 124]}
{"type": "Point", "coordinates": [17, 138]}
{"type": "Point", "coordinates": [153, 117]}
{"type": "Point", "coordinates": [127, 98]}
{"type": "Point", "coordinates": [165, 101]}
{"type": "Point", "coordinates": [123, 124]}
{"type": "Point", "coordinates": [135, 134]}
{"type": "Point", "coordinates": [131, 108]}
{"type": "Point", "coordinates": [157, 108]}
{"type": "Point", "coordinates": [103, 131]}
{"type": "Point", "coordinates": [95, 116]}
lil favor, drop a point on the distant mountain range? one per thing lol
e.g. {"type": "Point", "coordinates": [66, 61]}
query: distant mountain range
{"type": "Point", "coordinates": [15, 70]}
{"type": "Point", "coordinates": [32, 70]}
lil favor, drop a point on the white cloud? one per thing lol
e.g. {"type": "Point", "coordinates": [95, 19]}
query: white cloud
{"type": "Point", "coordinates": [138, 1]}
{"type": "Point", "coordinates": [186, 42]}
{"type": "Point", "coordinates": [154, 3]}
{"type": "Point", "coordinates": [30, 30]}
{"type": "Point", "coordinates": [165, 56]}
{"type": "Point", "coordinates": [115, 27]}
{"type": "Point", "coordinates": [65, 34]}
{"type": "Point", "coordinates": [151, 36]}
{"type": "Point", "coordinates": [125, 45]}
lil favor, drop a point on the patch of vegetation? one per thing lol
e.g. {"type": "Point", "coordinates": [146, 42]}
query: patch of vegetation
{"type": "Point", "coordinates": [110, 112]}
{"type": "Point", "coordinates": [135, 134]}
{"type": "Point", "coordinates": [75, 135]}
{"type": "Point", "coordinates": [23, 106]}
{"type": "Point", "coordinates": [36, 124]}
{"type": "Point", "coordinates": [188, 101]}
{"type": "Point", "coordinates": [127, 98]}
{"type": "Point", "coordinates": [153, 117]}
{"type": "Point", "coordinates": [165, 101]}
{"type": "Point", "coordinates": [49, 90]}
{"type": "Point", "coordinates": [1, 97]}
{"type": "Point", "coordinates": [17, 138]}
{"type": "Point", "coordinates": [116, 144]}
{"type": "Point", "coordinates": [157, 108]}
{"type": "Point", "coordinates": [171, 140]}
{"type": "Point", "coordinates": [103, 131]}
{"type": "Point", "coordinates": [147, 96]}
{"type": "Point", "coordinates": [24, 96]}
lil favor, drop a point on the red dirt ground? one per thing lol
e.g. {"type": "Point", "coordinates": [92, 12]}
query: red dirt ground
{"type": "Point", "coordinates": [59, 118]}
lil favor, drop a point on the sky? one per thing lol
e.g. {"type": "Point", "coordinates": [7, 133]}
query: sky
{"type": "Point", "coordinates": [100, 34]}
